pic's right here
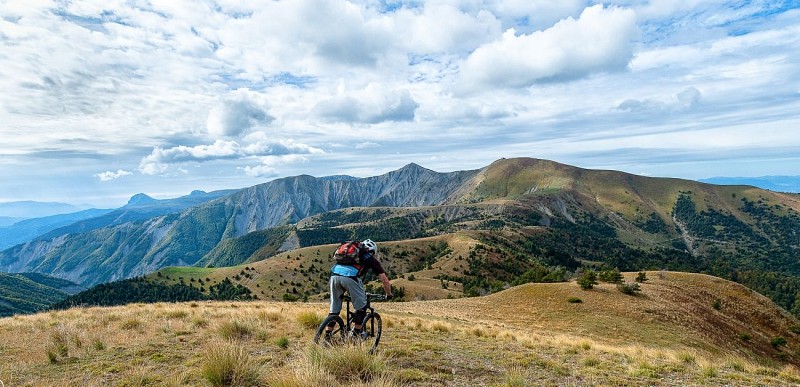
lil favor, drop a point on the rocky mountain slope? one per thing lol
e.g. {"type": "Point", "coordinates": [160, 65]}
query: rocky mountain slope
{"type": "Point", "coordinates": [128, 246]}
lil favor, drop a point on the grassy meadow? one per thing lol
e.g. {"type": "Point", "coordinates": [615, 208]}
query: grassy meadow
{"type": "Point", "coordinates": [535, 334]}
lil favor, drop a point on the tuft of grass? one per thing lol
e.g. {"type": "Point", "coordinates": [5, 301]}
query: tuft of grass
{"type": "Point", "coordinates": [686, 358]}
{"type": "Point", "coordinates": [176, 314]}
{"type": "Point", "coordinates": [270, 316]}
{"type": "Point", "coordinates": [282, 342]}
{"type": "Point", "coordinates": [709, 371]}
{"type": "Point", "coordinates": [59, 345]}
{"type": "Point", "coordinates": [60, 338]}
{"type": "Point", "coordinates": [130, 324]}
{"type": "Point", "coordinates": [574, 300]}
{"type": "Point", "coordinates": [590, 361]}
{"type": "Point", "coordinates": [736, 365]}
{"type": "Point", "coordinates": [440, 327]}
{"type": "Point", "coordinates": [98, 344]}
{"type": "Point", "coordinates": [229, 365]}
{"type": "Point", "coordinates": [309, 320]}
{"type": "Point", "coordinates": [235, 330]}
{"type": "Point", "coordinates": [199, 322]}
{"type": "Point", "coordinates": [645, 369]}
{"type": "Point", "coordinates": [514, 377]}
{"type": "Point", "coordinates": [478, 332]}
{"type": "Point", "coordinates": [348, 363]}
{"type": "Point", "coordinates": [411, 375]}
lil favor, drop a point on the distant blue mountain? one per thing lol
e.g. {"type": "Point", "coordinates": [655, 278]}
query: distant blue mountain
{"type": "Point", "coordinates": [772, 183]}
{"type": "Point", "coordinates": [30, 209]}
{"type": "Point", "coordinates": [7, 220]}
{"type": "Point", "coordinates": [28, 229]}
{"type": "Point", "coordinates": [140, 207]}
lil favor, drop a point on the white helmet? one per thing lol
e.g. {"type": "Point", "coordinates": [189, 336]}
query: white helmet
{"type": "Point", "coordinates": [370, 246]}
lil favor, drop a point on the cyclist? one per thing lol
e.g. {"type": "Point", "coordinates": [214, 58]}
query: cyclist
{"type": "Point", "coordinates": [348, 278]}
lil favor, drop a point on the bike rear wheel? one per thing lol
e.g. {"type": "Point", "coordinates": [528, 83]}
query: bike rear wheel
{"type": "Point", "coordinates": [334, 337]}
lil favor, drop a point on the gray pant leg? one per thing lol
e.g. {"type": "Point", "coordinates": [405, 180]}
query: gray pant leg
{"type": "Point", "coordinates": [336, 294]}
{"type": "Point", "coordinates": [339, 285]}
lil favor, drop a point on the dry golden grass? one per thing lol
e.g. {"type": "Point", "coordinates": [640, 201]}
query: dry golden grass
{"type": "Point", "coordinates": [525, 336]}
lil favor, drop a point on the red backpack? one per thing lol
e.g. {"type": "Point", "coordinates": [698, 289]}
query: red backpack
{"type": "Point", "coordinates": [347, 253]}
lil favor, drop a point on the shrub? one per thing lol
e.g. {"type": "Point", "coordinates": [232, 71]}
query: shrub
{"type": "Point", "coordinates": [229, 365]}
{"type": "Point", "coordinates": [744, 336]}
{"type": "Point", "coordinates": [588, 279]}
{"type": "Point", "coordinates": [629, 288]}
{"type": "Point", "coordinates": [778, 341]}
{"type": "Point", "coordinates": [611, 276]}
{"type": "Point", "coordinates": [717, 304]}
{"type": "Point", "coordinates": [574, 300]}
{"type": "Point", "coordinates": [412, 277]}
{"type": "Point", "coordinates": [309, 320]}
{"type": "Point", "coordinates": [641, 277]}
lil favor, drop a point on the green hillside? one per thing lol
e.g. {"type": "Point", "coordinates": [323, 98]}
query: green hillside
{"type": "Point", "coordinates": [30, 292]}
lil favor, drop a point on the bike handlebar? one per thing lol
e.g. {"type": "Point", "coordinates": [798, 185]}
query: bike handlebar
{"type": "Point", "coordinates": [370, 296]}
{"type": "Point", "coordinates": [376, 296]}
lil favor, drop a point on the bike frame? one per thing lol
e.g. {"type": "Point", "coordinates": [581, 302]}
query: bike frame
{"type": "Point", "coordinates": [351, 314]}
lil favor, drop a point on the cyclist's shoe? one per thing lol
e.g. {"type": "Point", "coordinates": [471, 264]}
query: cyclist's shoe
{"type": "Point", "coordinates": [357, 337]}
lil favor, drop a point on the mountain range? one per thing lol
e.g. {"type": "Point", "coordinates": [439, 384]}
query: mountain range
{"type": "Point", "coordinates": [772, 183]}
{"type": "Point", "coordinates": [528, 215]}
{"type": "Point", "coordinates": [30, 209]}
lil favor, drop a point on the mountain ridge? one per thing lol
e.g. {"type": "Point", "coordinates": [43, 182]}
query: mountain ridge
{"type": "Point", "coordinates": [520, 192]}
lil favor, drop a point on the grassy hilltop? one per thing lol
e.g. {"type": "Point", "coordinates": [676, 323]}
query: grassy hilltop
{"type": "Point", "coordinates": [681, 329]}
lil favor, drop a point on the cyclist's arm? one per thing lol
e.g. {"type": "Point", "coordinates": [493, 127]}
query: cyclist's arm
{"type": "Point", "coordinates": [387, 286]}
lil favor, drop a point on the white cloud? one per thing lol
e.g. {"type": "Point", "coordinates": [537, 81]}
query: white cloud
{"type": "Point", "coordinates": [538, 13]}
{"type": "Point", "coordinates": [160, 159]}
{"type": "Point", "coordinates": [110, 175]}
{"type": "Point", "coordinates": [443, 28]}
{"type": "Point", "coordinates": [599, 41]}
{"type": "Point", "coordinates": [686, 99]}
{"type": "Point", "coordinates": [195, 90]}
{"type": "Point", "coordinates": [374, 104]}
{"type": "Point", "coordinates": [236, 113]}
{"type": "Point", "coordinates": [269, 164]}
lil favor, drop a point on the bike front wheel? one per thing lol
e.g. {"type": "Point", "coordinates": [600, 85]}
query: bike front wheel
{"type": "Point", "coordinates": [336, 336]}
{"type": "Point", "coordinates": [372, 328]}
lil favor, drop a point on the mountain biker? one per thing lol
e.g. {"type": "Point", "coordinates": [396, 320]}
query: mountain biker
{"type": "Point", "coordinates": [348, 278]}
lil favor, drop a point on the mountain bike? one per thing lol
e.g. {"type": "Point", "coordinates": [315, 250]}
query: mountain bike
{"type": "Point", "coordinates": [341, 333]}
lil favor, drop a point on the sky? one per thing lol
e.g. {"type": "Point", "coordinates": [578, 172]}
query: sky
{"type": "Point", "coordinates": [100, 100]}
